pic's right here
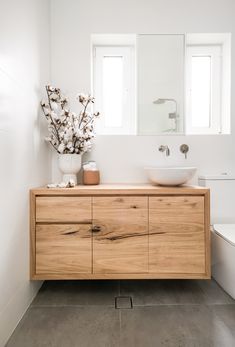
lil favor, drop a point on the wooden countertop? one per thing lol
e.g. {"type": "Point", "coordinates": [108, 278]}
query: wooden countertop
{"type": "Point", "coordinates": [122, 189]}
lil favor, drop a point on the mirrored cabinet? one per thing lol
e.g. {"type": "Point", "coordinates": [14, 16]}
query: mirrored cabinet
{"type": "Point", "coordinates": [162, 84]}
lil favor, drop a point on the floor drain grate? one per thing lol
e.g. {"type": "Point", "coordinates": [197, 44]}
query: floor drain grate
{"type": "Point", "coordinates": [123, 302]}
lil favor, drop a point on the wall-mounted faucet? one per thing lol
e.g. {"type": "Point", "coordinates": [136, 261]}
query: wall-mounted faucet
{"type": "Point", "coordinates": [164, 148]}
{"type": "Point", "coordinates": [184, 149]}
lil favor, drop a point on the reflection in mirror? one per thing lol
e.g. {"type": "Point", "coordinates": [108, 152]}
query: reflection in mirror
{"type": "Point", "coordinates": [156, 84]}
{"type": "Point", "coordinates": [114, 83]}
{"type": "Point", "coordinates": [208, 70]}
{"type": "Point", "coordinates": [160, 84]}
{"type": "Point", "coordinates": [172, 115]}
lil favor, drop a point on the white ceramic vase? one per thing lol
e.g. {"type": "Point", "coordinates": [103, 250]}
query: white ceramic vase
{"type": "Point", "coordinates": [70, 165]}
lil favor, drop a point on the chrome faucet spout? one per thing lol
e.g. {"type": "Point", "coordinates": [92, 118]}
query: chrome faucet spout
{"type": "Point", "coordinates": [164, 148]}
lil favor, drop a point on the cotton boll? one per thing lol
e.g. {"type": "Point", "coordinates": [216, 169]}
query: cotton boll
{"type": "Point", "coordinates": [52, 185]}
{"type": "Point", "coordinates": [64, 100]}
{"type": "Point", "coordinates": [54, 105]}
{"type": "Point", "coordinates": [61, 148]}
{"type": "Point", "coordinates": [81, 97]}
{"type": "Point", "coordinates": [63, 120]}
{"type": "Point", "coordinates": [61, 134]}
{"type": "Point", "coordinates": [91, 98]}
{"type": "Point", "coordinates": [70, 183]}
{"type": "Point", "coordinates": [69, 145]}
{"type": "Point", "coordinates": [47, 111]}
{"type": "Point", "coordinates": [43, 103]}
{"type": "Point", "coordinates": [50, 88]}
{"type": "Point", "coordinates": [54, 115]}
{"type": "Point", "coordinates": [62, 185]}
{"type": "Point", "coordinates": [78, 133]}
{"type": "Point", "coordinates": [76, 124]}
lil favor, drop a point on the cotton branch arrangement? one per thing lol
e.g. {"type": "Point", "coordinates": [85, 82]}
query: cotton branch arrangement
{"type": "Point", "coordinates": [69, 133]}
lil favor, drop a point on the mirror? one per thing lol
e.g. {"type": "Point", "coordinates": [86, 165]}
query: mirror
{"type": "Point", "coordinates": [162, 84]}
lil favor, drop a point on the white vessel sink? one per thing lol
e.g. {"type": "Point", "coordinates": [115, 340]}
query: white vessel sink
{"type": "Point", "coordinates": [170, 176]}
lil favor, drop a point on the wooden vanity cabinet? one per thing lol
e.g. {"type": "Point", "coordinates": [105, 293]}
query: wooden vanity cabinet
{"type": "Point", "coordinates": [120, 232]}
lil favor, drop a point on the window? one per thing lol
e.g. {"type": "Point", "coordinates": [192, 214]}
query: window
{"type": "Point", "coordinates": [114, 88]}
{"type": "Point", "coordinates": [207, 86]}
{"type": "Point", "coordinates": [201, 91]}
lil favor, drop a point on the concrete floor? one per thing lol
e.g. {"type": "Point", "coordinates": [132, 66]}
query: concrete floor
{"type": "Point", "coordinates": [172, 313]}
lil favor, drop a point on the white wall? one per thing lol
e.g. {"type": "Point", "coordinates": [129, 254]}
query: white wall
{"type": "Point", "coordinates": [121, 158]}
{"type": "Point", "coordinates": [24, 158]}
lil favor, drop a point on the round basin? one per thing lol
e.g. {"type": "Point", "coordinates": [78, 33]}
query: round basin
{"type": "Point", "coordinates": [170, 176]}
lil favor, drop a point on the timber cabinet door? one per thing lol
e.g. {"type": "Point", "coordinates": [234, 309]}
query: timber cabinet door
{"type": "Point", "coordinates": [120, 234]}
{"type": "Point", "coordinates": [63, 248]}
{"type": "Point", "coordinates": [177, 235]}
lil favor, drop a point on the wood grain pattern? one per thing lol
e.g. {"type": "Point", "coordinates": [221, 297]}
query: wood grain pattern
{"type": "Point", "coordinates": [63, 209]}
{"type": "Point", "coordinates": [176, 214]}
{"type": "Point", "coordinates": [177, 253]}
{"type": "Point", "coordinates": [63, 249]}
{"type": "Point", "coordinates": [120, 202]}
{"type": "Point", "coordinates": [207, 234]}
{"type": "Point", "coordinates": [121, 189]}
{"type": "Point", "coordinates": [119, 276]}
{"type": "Point", "coordinates": [178, 231]}
{"type": "Point", "coordinates": [122, 244]}
{"type": "Point", "coordinates": [32, 207]}
{"type": "Point", "coordinates": [177, 235]}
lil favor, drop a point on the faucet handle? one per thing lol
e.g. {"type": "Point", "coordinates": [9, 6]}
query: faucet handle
{"type": "Point", "coordinates": [161, 148]}
{"type": "Point", "coordinates": [184, 149]}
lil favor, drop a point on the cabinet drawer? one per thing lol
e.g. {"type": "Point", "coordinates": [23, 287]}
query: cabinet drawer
{"type": "Point", "coordinates": [63, 209]}
{"type": "Point", "coordinates": [63, 249]}
{"type": "Point", "coordinates": [176, 214]}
